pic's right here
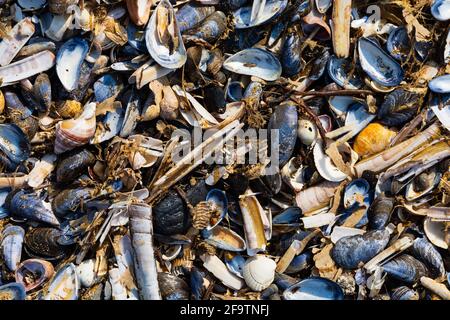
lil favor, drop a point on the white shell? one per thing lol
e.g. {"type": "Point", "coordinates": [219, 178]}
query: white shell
{"type": "Point", "coordinates": [293, 175]}
{"type": "Point", "coordinates": [326, 168]}
{"type": "Point", "coordinates": [86, 273]}
{"type": "Point", "coordinates": [440, 84]}
{"type": "Point", "coordinates": [440, 9]}
{"type": "Point", "coordinates": [12, 241]}
{"type": "Point", "coordinates": [259, 272]}
{"type": "Point", "coordinates": [41, 170]}
{"type": "Point", "coordinates": [435, 232]}
{"type": "Point", "coordinates": [341, 232]}
{"type": "Point", "coordinates": [214, 265]}
{"type": "Point", "coordinates": [318, 220]}
{"type": "Point", "coordinates": [307, 131]}
{"type": "Point", "coordinates": [64, 285]}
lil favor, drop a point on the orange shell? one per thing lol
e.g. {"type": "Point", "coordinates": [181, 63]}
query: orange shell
{"type": "Point", "coordinates": [373, 139]}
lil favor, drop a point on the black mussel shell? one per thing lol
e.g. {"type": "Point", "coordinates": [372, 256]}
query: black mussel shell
{"type": "Point", "coordinates": [404, 293]}
{"type": "Point", "coordinates": [423, 250]}
{"type": "Point", "coordinates": [300, 263]}
{"type": "Point", "coordinates": [43, 243]}
{"type": "Point", "coordinates": [73, 165]}
{"type": "Point", "coordinates": [172, 287]}
{"type": "Point", "coordinates": [406, 268]}
{"type": "Point", "coordinates": [399, 107]}
{"type": "Point", "coordinates": [291, 55]}
{"type": "Point", "coordinates": [69, 201]}
{"type": "Point", "coordinates": [14, 146]}
{"type": "Point", "coordinates": [197, 192]}
{"type": "Point", "coordinates": [171, 215]}
{"type": "Point", "coordinates": [349, 252]}
{"type": "Point", "coordinates": [380, 212]}
{"type": "Point", "coordinates": [197, 284]}
{"type": "Point", "coordinates": [12, 291]}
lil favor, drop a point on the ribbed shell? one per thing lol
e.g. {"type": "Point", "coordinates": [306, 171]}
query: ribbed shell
{"type": "Point", "coordinates": [73, 133]}
{"type": "Point", "coordinates": [259, 272]}
{"type": "Point", "coordinates": [405, 268]}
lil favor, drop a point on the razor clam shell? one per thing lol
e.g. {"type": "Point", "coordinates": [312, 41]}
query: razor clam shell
{"type": "Point", "coordinates": [11, 45]}
{"type": "Point", "coordinates": [27, 67]}
{"type": "Point", "coordinates": [378, 65]}
{"type": "Point", "coordinates": [255, 62]}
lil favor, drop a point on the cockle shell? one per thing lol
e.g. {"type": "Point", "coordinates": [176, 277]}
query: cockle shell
{"type": "Point", "coordinates": [73, 133]}
{"type": "Point", "coordinates": [259, 272]}
{"type": "Point", "coordinates": [373, 139]}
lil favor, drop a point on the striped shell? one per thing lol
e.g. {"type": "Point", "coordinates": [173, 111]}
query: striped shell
{"type": "Point", "coordinates": [373, 139]}
{"type": "Point", "coordinates": [259, 272]}
{"type": "Point", "coordinates": [73, 133]}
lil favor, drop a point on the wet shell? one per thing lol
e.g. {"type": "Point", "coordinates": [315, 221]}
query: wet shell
{"type": "Point", "coordinates": [350, 252]}
{"type": "Point", "coordinates": [33, 273]}
{"type": "Point", "coordinates": [12, 240]}
{"type": "Point", "coordinates": [426, 252]}
{"type": "Point", "coordinates": [314, 288]}
{"type": "Point", "coordinates": [404, 293]}
{"type": "Point", "coordinates": [373, 139]}
{"type": "Point", "coordinates": [172, 287]}
{"type": "Point", "coordinates": [399, 107]}
{"type": "Point", "coordinates": [64, 285]}
{"type": "Point", "coordinates": [405, 268]}
{"type": "Point", "coordinates": [43, 243]}
{"type": "Point", "coordinates": [12, 291]}
{"type": "Point", "coordinates": [73, 133]}
{"type": "Point", "coordinates": [72, 166]}
{"type": "Point", "coordinates": [259, 272]}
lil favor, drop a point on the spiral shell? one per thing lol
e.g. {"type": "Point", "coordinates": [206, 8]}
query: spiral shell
{"type": "Point", "coordinates": [73, 133]}
{"type": "Point", "coordinates": [259, 272]}
{"type": "Point", "coordinates": [374, 138]}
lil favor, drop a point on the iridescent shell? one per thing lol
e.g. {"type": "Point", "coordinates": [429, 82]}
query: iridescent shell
{"type": "Point", "coordinates": [372, 139]}
{"type": "Point", "coordinates": [73, 133]}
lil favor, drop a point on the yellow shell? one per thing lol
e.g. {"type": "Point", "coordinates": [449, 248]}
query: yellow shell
{"type": "Point", "coordinates": [70, 109]}
{"type": "Point", "coordinates": [373, 139]}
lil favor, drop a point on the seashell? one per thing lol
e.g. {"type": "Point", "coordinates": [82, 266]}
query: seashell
{"type": "Point", "coordinates": [224, 238]}
{"type": "Point", "coordinates": [73, 133]}
{"type": "Point", "coordinates": [34, 273]}
{"type": "Point", "coordinates": [136, 37]}
{"type": "Point", "coordinates": [70, 109]}
{"type": "Point", "coordinates": [132, 113]}
{"type": "Point", "coordinates": [26, 68]}
{"type": "Point", "coordinates": [172, 287]}
{"type": "Point", "coordinates": [20, 115]}
{"type": "Point", "coordinates": [86, 273]}
{"type": "Point", "coordinates": [296, 177]}
{"type": "Point", "coordinates": [64, 284]}
{"type": "Point", "coordinates": [170, 215]}
{"type": "Point", "coordinates": [423, 184]}
{"type": "Point", "coordinates": [399, 107]}
{"type": "Point", "coordinates": [71, 167]}
{"type": "Point", "coordinates": [342, 232]}
{"type": "Point", "coordinates": [380, 212]}
{"type": "Point", "coordinates": [42, 89]}
{"type": "Point", "coordinates": [285, 121]}
{"type": "Point", "coordinates": [323, 5]}
{"type": "Point", "coordinates": [378, 65]}
{"type": "Point", "coordinates": [41, 170]}
{"type": "Point", "coordinates": [68, 201]}
{"type": "Point", "coordinates": [15, 40]}
{"type": "Point", "coordinates": [307, 131]}
{"type": "Point", "coordinates": [214, 265]}
{"type": "Point", "coordinates": [211, 29]}
{"type": "Point", "coordinates": [435, 232]}
{"type": "Point", "coordinates": [108, 127]}
{"type": "Point", "coordinates": [43, 243]}
{"type": "Point", "coordinates": [31, 5]}
{"type": "Point", "coordinates": [404, 293]}
{"type": "Point", "coordinates": [68, 62]}
{"type": "Point", "coordinates": [440, 9]}
{"type": "Point", "coordinates": [163, 37]}
{"type": "Point", "coordinates": [300, 263]}
{"type": "Point", "coordinates": [316, 197]}
{"type": "Point", "coordinates": [314, 288]}
{"type": "Point", "coordinates": [191, 14]}
{"type": "Point", "coordinates": [139, 11]}
{"type": "Point", "coordinates": [60, 7]}
{"type": "Point", "coordinates": [338, 70]}
{"type": "Point", "coordinates": [12, 240]}
{"type": "Point", "coordinates": [255, 224]}
{"type": "Point", "coordinates": [440, 84]}
{"type": "Point", "coordinates": [106, 87]}
{"type": "Point", "coordinates": [325, 166]}
{"type": "Point", "coordinates": [2, 102]}
{"type": "Point", "coordinates": [373, 139]}
{"type": "Point", "coordinates": [244, 17]}
{"type": "Point", "coordinates": [29, 205]}
{"type": "Point", "coordinates": [405, 268]}
{"type": "Point", "coordinates": [288, 217]}
{"type": "Point", "coordinates": [350, 252]}
{"type": "Point", "coordinates": [291, 55]}
{"type": "Point", "coordinates": [318, 220]}
{"type": "Point", "coordinates": [259, 272]}
{"type": "Point", "coordinates": [357, 192]}
{"type": "Point", "coordinates": [14, 146]}
{"type": "Point", "coordinates": [235, 264]}
{"type": "Point", "coordinates": [12, 291]}
{"type": "Point", "coordinates": [398, 44]}
{"type": "Point", "coordinates": [254, 62]}
{"type": "Point", "coordinates": [426, 252]}
{"type": "Point", "coordinates": [340, 26]}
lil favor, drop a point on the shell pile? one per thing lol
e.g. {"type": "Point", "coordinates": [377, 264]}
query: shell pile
{"type": "Point", "coordinates": [117, 181]}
